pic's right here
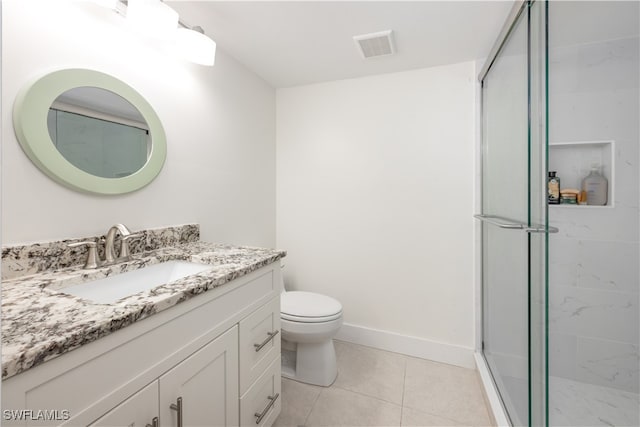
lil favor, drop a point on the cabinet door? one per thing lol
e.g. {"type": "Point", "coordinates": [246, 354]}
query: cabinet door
{"type": "Point", "coordinates": [259, 342]}
{"type": "Point", "coordinates": [206, 384]}
{"type": "Point", "coordinates": [137, 411]}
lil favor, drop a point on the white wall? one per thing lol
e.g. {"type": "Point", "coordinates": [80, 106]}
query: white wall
{"type": "Point", "coordinates": [375, 190]}
{"type": "Point", "coordinates": [220, 126]}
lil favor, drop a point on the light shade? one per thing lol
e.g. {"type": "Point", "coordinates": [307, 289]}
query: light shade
{"type": "Point", "coordinates": [109, 4]}
{"type": "Point", "coordinates": [152, 17]}
{"type": "Point", "coordinates": [195, 47]}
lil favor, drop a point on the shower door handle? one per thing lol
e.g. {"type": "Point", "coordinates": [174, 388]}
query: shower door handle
{"type": "Point", "coordinates": [514, 225]}
{"type": "Point", "coordinates": [500, 222]}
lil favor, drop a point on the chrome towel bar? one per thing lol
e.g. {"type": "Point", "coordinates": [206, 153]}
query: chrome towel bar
{"type": "Point", "coordinates": [515, 225]}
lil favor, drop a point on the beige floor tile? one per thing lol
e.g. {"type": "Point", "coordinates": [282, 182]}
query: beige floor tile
{"type": "Point", "coordinates": [297, 401]}
{"type": "Point", "coordinates": [369, 371]}
{"type": "Point", "coordinates": [338, 407]}
{"type": "Point", "coordinates": [446, 391]}
{"type": "Point", "coordinates": [413, 417]}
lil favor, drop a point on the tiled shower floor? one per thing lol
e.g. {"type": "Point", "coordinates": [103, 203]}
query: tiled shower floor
{"type": "Point", "coordinates": [573, 403]}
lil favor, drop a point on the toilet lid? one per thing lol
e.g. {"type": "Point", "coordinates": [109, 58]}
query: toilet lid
{"type": "Point", "coordinates": [309, 307]}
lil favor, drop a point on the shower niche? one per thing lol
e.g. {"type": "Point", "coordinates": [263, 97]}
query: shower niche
{"type": "Point", "coordinates": [573, 161]}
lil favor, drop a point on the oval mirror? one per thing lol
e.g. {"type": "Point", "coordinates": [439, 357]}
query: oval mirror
{"type": "Point", "coordinates": [90, 131]}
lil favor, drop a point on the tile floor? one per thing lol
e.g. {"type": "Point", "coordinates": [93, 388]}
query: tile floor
{"type": "Point", "coordinates": [379, 388]}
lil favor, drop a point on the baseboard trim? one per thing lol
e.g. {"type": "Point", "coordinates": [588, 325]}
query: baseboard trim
{"type": "Point", "coordinates": [405, 344]}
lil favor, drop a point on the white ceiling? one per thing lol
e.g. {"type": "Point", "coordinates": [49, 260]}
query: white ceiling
{"type": "Point", "coordinates": [293, 43]}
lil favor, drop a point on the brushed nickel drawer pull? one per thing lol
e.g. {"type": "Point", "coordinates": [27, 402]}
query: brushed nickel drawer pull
{"type": "Point", "coordinates": [272, 399]}
{"type": "Point", "coordinates": [154, 423]}
{"type": "Point", "coordinates": [266, 341]}
{"type": "Point", "coordinates": [178, 408]}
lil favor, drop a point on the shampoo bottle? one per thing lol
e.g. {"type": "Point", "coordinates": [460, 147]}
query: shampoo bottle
{"type": "Point", "coordinates": [596, 186]}
{"type": "Point", "coordinates": [553, 187]}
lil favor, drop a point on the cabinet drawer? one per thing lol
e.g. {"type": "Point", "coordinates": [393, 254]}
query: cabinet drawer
{"type": "Point", "coordinates": [261, 404]}
{"type": "Point", "coordinates": [259, 342]}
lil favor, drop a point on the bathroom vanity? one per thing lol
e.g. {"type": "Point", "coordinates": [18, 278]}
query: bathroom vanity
{"type": "Point", "coordinates": [202, 350]}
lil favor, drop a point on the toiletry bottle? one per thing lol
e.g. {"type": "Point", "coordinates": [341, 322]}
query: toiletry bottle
{"type": "Point", "coordinates": [553, 186]}
{"type": "Point", "coordinates": [582, 198]}
{"type": "Point", "coordinates": [596, 187]}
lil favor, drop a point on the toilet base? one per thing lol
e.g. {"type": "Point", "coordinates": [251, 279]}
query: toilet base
{"type": "Point", "coordinates": [310, 363]}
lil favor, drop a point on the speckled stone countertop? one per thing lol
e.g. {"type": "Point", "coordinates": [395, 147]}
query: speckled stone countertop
{"type": "Point", "coordinates": [40, 323]}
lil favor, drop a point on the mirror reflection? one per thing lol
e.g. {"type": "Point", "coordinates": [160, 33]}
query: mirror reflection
{"type": "Point", "coordinates": [99, 132]}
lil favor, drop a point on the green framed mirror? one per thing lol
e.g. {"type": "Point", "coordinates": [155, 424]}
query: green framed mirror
{"type": "Point", "coordinates": [90, 131]}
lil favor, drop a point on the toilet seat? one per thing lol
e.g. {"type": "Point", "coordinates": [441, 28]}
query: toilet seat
{"type": "Point", "coordinates": [309, 307]}
{"type": "Point", "coordinates": [300, 319]}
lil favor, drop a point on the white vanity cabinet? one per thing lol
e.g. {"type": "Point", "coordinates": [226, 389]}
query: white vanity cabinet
{"type": "Point", "coordinates": [213, 360]}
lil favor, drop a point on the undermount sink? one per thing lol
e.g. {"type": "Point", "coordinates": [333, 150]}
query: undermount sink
{"type": "Point", "coordinates": [112, 288]}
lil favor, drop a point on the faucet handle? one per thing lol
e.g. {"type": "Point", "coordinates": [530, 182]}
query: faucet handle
{"type": "Point", "coordinates": [124, 245]}
{"type": "Point", "coordinates": [92, 256]}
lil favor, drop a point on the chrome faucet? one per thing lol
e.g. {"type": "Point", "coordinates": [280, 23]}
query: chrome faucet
{"type": "Point", "coordinates": [109, 251]}
{"type": "Point", "coordinates": [94, 261]}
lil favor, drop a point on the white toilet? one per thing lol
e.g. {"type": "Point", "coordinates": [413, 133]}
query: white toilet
{"type": "Point", "coordinates": [309, 322]}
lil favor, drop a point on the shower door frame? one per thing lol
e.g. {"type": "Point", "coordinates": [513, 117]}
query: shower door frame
{"type": "Point", "coordinates": [537, 108]}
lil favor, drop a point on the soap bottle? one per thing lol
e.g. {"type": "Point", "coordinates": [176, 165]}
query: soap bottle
{"type": "Point", "coordinates": [596, 186]}
{"type": "Point", "coordinates": [553, 187]}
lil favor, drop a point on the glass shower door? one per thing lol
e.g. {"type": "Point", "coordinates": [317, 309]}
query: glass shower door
{"type": "Point", "coordinates": [504, 199]}
{"type": "Point", "coordinates": [514, 218]}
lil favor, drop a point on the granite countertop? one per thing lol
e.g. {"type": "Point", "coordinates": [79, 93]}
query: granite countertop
{"type": "Point", "coordinates": [40, 323]}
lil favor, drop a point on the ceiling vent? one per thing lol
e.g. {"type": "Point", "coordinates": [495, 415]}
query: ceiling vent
{"type": "Point", "coordinates": [375, 44]}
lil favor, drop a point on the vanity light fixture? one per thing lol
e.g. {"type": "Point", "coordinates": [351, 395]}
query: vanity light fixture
{"type": "Point", "coordinates": [109, 4]}
{"type": "Point", "coordinates": [157, 19]}
{"type": "Point", "coordinates": [152, 17]}
{"type": "Point", "coordinates": [193, 45]}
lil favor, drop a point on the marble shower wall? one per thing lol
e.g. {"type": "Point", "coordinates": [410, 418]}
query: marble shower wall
{"type": "Point", "coordinates": [32, 258]}
{"type": "Point", "coordinates": [593, 260]}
